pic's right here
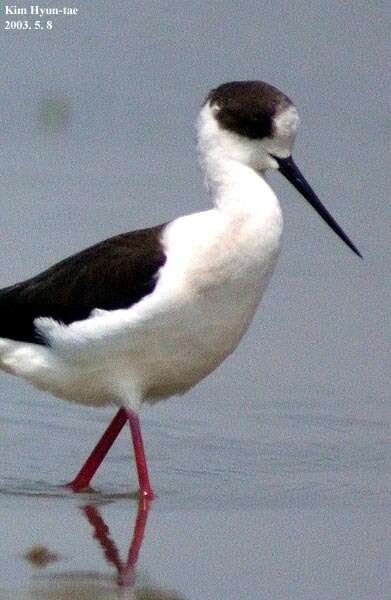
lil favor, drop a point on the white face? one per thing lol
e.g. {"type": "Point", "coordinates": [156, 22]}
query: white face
{"type": "Point", "coordinates": [285, 129]}
{"type": "Point", "coordinates": [223, 144]}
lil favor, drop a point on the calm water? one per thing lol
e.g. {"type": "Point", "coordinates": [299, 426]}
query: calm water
{"type": "Point", "coordinates": [282, 505]}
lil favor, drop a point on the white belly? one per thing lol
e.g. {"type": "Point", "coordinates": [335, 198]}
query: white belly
{"type": "Point", "coordinates": [218, 286]}
{"type": "Point", "coordinates": [206, 296]}
{"type": "Point", "coordinates": [199, 341]}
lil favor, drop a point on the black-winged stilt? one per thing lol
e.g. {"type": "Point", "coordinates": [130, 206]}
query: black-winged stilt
{"type": "Point", "coordinates": [148, 314]}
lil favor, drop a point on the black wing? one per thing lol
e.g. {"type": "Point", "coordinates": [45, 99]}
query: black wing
{"type": "Point", "coordinates": [115, 273]}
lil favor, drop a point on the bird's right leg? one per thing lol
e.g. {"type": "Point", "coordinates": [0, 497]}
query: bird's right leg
{"type": "Point", "coordinates": [96, 457]}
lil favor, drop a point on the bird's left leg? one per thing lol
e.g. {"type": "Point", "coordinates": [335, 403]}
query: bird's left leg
{"type": "Point", "coordinates": [139, 454]}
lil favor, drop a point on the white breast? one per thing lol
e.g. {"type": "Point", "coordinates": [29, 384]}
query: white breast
{"type": "Point", "coordinates": [218, 266]}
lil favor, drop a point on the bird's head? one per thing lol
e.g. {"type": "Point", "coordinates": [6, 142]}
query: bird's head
{"type": "Point", "coordinates": [254, 124]}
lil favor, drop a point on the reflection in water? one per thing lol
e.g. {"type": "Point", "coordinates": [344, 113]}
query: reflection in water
{"type": "Point", "coordinates": [77, 585]}
{"type": "Point", "coordinates": [125, 571]}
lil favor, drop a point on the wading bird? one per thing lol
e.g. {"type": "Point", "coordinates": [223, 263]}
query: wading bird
{"type": "Point", "coordinates": [148, 314]}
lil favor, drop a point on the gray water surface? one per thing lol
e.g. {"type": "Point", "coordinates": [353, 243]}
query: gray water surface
{"type": "Point", "coordinates": [287, 506]}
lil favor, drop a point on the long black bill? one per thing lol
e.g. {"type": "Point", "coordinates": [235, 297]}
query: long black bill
{"type": "Point", "coordinates": [289, 169]}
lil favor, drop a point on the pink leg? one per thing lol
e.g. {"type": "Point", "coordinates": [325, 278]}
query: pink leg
{"type": "Point", "coordinates": [96, 457]}
{"type": "Point", "coordinates": [141, 463]}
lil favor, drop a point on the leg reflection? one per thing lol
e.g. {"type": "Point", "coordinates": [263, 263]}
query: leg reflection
{"type": "Point", "coordinates": [125, 570]}
{"type": "Point", "coordinates": [95, 585]}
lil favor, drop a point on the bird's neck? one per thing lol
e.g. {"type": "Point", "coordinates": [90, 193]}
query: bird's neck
{"type": "Point", "coordinates": [236, 188]}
